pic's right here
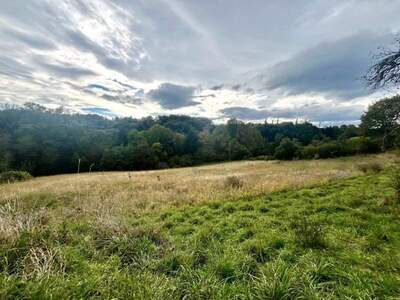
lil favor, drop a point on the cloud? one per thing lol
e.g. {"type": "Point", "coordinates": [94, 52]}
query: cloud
{"type": "Point", "coordinates": [99, 111]}
{"type": "Point", "coordinates": [172, 96]}
{"type": "Point", "coordinates": [10, 67]}
{"type": "Point", "coordinates": [98, 87]}
{"type": "Point", "coordinates": [217, 87]}
{"type": "Point", "coordinates": [66, 70]}
{"type": "Point", "coordinates": [37, 42]}
{"type": "Point", "coordinates": [126, 99]}
{"type": "Point", "coordinates": [332, 68]}
{"type": "Point", "coordinates": [244, 113]}
{"type": "Point", "coordinates": [124, 53]}
{"type": "Point", "coordinates": [311, 112]}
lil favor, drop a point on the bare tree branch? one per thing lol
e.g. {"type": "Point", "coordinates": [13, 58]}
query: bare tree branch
{"type": "Point", "coordinates": [385, 72]}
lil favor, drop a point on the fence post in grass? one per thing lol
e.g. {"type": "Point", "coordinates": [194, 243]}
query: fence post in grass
{"type": "Point", "coordinates": [79, 164]}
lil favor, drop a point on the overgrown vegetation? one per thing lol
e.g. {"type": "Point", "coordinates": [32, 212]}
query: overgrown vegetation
{"type": "Point", "coordinates": [333, 240]}
{"type": "Point", "coordinates": [13, 176]}
{"type": "Point", "coordinates": [373, 166]}
{"type": "Point", "coordinates": [43, 142]}
{"type": "Point", "coordinates": [233, 182]}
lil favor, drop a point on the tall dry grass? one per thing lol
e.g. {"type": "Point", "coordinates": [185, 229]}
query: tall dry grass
{"type": "Point", "coordinates": [115, 194]}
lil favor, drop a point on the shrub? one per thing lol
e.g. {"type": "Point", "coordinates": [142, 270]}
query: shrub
{"type": "Point", "coordinates": [368, 145]}
{"type": "Point", "coordinates": [287, 149]}
{"type": "Point", "coordinates": [309, 233]}
{"type": "Point", "coordinates": [233, 182]}
{"type": "Point", "coordinates": [14, 176]}
{"type": "Point", "coordinates": [331, 150]}
{"type": "Point", "coordinates": [362, 144]}
{"type": "Point", "coordinates": [373, 167]}
{"type": "Point", "coordinates": [310, 152]}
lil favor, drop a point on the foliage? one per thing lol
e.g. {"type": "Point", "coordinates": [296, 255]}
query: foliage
{"type": "Point", "coordinates": [287, 149]}
{"type": "Point", "coordinates": [14, 176]}
{"type": "Point", "coordinates": [383, 118]}
{"type": "Point", "coordinates": [45, 142]}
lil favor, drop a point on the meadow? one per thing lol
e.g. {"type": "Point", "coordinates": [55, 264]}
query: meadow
{"type": "Point", "coordinates": [320, 229]}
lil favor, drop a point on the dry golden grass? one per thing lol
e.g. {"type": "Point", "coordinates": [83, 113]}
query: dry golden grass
{"type": "Point", "coordinates": [121, 193]}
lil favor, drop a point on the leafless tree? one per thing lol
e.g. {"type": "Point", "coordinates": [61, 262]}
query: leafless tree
{"type": "Point", "coordinates": [386, 71]}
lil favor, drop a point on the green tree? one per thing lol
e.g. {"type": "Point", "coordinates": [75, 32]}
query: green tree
{"type": "Point", "coordinates": [287, 149]}
{"type": "Point", "coordinates": [382, 119]}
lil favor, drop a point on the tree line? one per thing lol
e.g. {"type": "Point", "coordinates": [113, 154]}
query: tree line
{"type": "Point", "coordinates": [43, 141]}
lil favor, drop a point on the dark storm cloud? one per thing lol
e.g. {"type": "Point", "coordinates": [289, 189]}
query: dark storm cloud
{"type": "Point", "coordinates": [172, 96]}
{"type": "Point", "coordinates": [331, 68]}
{"type": "Point", "coordinates": [311, 112]}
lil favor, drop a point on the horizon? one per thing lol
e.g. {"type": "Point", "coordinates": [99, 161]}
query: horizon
{"type": "Point", "coordinates": [214, 59]}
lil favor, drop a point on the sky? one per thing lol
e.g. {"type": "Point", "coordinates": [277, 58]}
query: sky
{"type": "Point", "coordinates": [253, 60]}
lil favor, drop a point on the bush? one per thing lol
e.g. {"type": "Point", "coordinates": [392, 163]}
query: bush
{"type": "Point", "coordinates": [373, 167]}
{"type": "Point", "coordinates": [331, 150]}
{"type": "Point", "coordinates": [369, 145]}
{"type": "Point", "coordinates": [14, 176]}
{"type": "Point", "coordinates": [233, 182]}
{"type": "Point", "coordinates": [310, 152]}
{"type": "Point", "coordinates": [287, 149]}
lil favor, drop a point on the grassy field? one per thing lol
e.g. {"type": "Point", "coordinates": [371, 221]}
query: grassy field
{"type": "Point", "coordinates": [276, 230]}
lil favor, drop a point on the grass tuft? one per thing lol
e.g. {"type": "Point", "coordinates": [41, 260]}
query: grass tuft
{"type": "Point", "coordinates": [373, 166]}
{"type": "Point", "coordinates": [309, 233]}
{"type": "Point", "coordinates": [233, 182]}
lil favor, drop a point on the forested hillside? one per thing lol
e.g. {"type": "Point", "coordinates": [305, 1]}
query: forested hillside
{"type": "Point", "coordinates": [43, 141]}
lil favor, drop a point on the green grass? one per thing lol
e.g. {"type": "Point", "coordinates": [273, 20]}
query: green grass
{"type": "Point", "coordinates": [333, 241]}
